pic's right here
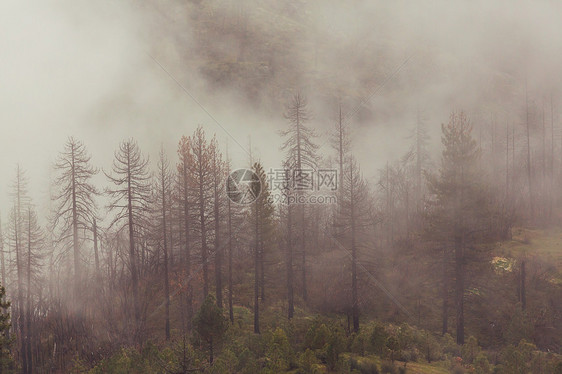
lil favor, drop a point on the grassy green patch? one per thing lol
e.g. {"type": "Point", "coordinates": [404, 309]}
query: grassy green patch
{"type": "Point", "coordinates": [543, 243]}
{"type": "Point", "coordinates": [419, 368]}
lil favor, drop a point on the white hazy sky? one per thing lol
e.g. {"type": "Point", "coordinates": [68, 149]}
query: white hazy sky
{"type": "Point", "coordinates": [82, 68]}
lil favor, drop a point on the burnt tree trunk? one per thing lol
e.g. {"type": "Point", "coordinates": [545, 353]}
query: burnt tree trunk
{"type": "Point", "coordinates": [522, 291]}
{"type": "Point", "coordinates": [230, 304]}
{"type": "Point", "coordinates": [459, 289]}
{"type": "Point", "coordinates": [290, 280]}
{"type": "Point", "coordinates": [256, 271]}
{"type": "Point", "coordinates": [132, 254]}
{"type": "Point", "coordinates": [445, 297]}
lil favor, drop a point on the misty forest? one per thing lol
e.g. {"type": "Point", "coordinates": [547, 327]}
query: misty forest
{"type": "Point", "coordinates": [295, 186]}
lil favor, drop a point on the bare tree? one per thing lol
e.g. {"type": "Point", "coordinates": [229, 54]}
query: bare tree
{"type": "Point", "coordinates": [529, 166]}
{"type": "Point", "coordinates": [75, 207]}
{"type": "Point", "coordinates": [2, 257]}
{"type": "Point", "coordinates": [17, 237]}
{"type": "Point", "coordinates": [163, 186]}
{"type": "Point", "coordinates": [218, 178]}
{"type": "Point", "coordinates": [185, 183]}
{"type": "Point", "coordinates": [96, 250]}
{"type": "Point", "coordinates": [200, 173]}
{"type": "Point", "coordinates": [286, 209]}
{"type": "Point", "coordinates": [302, 159]}
{"type": "Point", "coordinates": [354, 219]}
{"type": "Point", "coordinates": [419, 154]}
{"type": "Point", "coordinates": [341, 143]}
{"type": "Point", "coordinates": [230, 239]}
{"type": "Point", "coordinates": [230, 248]}
{"type": "Point", "coordinates": [130, 199]}
{"type": "Point", "coordinates": [33, 264]}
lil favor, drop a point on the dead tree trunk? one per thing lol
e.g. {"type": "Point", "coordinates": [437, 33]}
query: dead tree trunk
{"type": "Point", "coordinates": [290, 280]}
{"type": "Point", "coordinates": [529, 176]}
{"type": "Point", "coordinates": [445, 296]}
{"type": "Point", "coordinates": [256, 270]}
{"type": "Point", "coordinates": [230, 305]}
{"type": "Point", "coordinates": [218, 249]}
{"type": "Point", "coordinates": [459, 289]}
{"type": "Point", "coordinates": [522, 291]}
{"type": "Point", "coordinates": [354, 295]}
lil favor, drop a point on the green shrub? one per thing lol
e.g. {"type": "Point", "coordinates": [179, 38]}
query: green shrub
{"type": "Point", "coordinates": [308, 363]}
{"type": "Point", "coordinates": [128, 360]}
{"type": "Point", "coordinates": [519, 327]}
{"type": "Point", "coordinates": [358, 343]}
{"type": "Point", "coordinates": [343, 365]}
{"type": "Point", "coordinates": [470, 350]}
{"type": "Point", "coordinates": [456, 366]}
{"type": "Point", "coordinates": [481, 364]}
{"type": "Point", "coordinates": [279, 353]}
{"type": "Point", "coordinates": [520, 359]}
{"type": "Point", "coordinates": [210, 325]}
{"type": "Point", "coordinates": [377, 339]}
{"type": "Point", "coordinates": [432, 350]}
{"type": "Point", "coordinates": [227, 362]}
{"type": "Point", "coordinates": [409, 355]}
{"type": "Point", "coordinates": [296, 330]}
{"type": "Point", "coordinates": [257, 344]}
{"type": "Point", "coordinates": [247, 362]}
{"type": "Point", "coordinates": [388, 367]}
{"type": "Point", "coordinates": [512, 360]}
{"type": "Point", "coordinates": [393, 346]}
{"type": "Point", "coordinates": [449, 345]}
{"type": "Point", "coordinates": [317, 336]}
{"type": "Point", "coordinates": [334, 348]}
{"type": "Point", "coordinates": [406, 336]}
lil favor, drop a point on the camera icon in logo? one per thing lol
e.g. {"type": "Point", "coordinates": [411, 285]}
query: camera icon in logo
{"type": "Point", "coordinates": [243, 186]}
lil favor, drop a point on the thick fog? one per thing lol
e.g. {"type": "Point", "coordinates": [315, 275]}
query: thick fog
{"type": "Point", "coordinates": [91, 69]}
{"type": "Point", "coordinates": [438, 244]}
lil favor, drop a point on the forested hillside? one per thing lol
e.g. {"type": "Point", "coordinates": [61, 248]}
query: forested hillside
{"type": "Point", "coordinates": [443, 255]}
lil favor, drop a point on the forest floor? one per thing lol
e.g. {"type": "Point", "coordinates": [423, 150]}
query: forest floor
{"type": "Point", "coordinates": [541, 248]}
